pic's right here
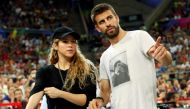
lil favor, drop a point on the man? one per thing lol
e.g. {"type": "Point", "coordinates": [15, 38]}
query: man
{"type": "Point", "coordinates": [137, 51]}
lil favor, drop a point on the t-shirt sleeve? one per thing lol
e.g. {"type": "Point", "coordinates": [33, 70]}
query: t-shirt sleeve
{"type": "Point", "coordinates": [40, 81]}
{"type": "Point", "coordinates": [102, 69]}
{"type": "Point", "coordinates": [146, 41]}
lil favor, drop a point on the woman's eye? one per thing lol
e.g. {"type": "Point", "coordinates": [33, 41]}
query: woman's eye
{"type": "Point", "coordinates": [74, 41]}
{"type": "Point", "coordinates": [69, 41]}
{"type": "Point", "coordinates": [64, 41]}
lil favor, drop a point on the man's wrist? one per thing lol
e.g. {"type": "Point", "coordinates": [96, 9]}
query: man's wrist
{"type": "Point", "coordinates": [100, 98]}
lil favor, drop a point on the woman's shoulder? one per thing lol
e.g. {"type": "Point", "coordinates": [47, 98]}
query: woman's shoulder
{"type": "Point", "coordinates": [46, 68]}
{"type": "Point", "coordinates": [91, 64]}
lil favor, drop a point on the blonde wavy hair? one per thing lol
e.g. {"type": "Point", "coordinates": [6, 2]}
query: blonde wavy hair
{"type": "Point", "coordinates": [80, 68]}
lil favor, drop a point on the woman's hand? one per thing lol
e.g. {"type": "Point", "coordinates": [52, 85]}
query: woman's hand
{"type": "Point", "coordinates": [52, 92]}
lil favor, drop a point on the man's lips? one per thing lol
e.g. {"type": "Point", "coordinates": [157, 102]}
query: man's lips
{"type": "Point", "coordinates": [110, 29]}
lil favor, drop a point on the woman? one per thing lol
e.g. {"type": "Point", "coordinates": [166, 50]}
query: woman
{"type": "Point", "coordinates": [69, 82]}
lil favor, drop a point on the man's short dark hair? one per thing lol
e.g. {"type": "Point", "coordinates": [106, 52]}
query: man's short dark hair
{"type": "Point", "coordinates": [100, 8]}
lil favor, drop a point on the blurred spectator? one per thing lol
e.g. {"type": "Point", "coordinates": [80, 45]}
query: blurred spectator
{"type": "Point", "coordinates": [19, 99]}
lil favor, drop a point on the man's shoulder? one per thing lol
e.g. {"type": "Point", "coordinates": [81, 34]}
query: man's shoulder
{"type": "Point", "coordinates": [138, 34]}
{"type": "Point", "coordinates": [106, 52]}
{"type": "Point", "coordinates": [137, 31]}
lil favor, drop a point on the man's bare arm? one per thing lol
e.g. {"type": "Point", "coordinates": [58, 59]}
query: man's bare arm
{"type": "Point", "coordinates": [104, 97]}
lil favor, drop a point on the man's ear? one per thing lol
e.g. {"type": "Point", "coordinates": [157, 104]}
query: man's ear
{"type": "Point", "coordinates": [97, 28]}
{"type": "Point", "coordinates": [117, 17]}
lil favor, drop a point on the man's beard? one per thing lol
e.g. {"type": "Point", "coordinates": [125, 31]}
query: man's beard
{"type": "Point", "coordinates": [113, 34]}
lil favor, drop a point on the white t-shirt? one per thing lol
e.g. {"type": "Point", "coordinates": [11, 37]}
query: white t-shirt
{"type": "Point", "coordinates": [44, 103]}
{"type": "Point", "coordinates": [131, 72]}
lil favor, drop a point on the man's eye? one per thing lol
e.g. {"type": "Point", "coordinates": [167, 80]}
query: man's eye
{"type": "Point", "coordinates": [101, 22]}
{"type": "Point", "coordinates": [110, 17]}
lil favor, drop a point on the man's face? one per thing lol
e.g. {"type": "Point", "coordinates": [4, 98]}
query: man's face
{"type": "Point", "coordinates": [108, 24]}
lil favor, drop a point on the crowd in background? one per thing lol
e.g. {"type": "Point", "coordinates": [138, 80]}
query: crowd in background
{"type": "Point", "coordinates": [33, 14]}
{"type": "Point", "coordinates": [22, 55]}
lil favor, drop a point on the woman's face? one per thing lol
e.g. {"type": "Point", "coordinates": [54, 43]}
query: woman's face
{"type": "Point", "coordinates": [66, 47]}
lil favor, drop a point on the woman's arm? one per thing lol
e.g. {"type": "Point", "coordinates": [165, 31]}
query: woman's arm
{"type": "Point", "coordinates": [78, 99]}
{"type": "Point", "coordinates": [34, 100]}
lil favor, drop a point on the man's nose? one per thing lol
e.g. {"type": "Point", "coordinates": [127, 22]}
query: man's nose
{"type": "Point", "coordinates": [107, 23]}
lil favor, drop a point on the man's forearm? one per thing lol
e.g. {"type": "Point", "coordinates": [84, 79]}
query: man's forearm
{"type": "Point", "coordinates": [106, 97]}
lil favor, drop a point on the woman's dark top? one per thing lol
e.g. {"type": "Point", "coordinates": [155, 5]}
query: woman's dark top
{"type": "Point", "coordinates": [49, 77]}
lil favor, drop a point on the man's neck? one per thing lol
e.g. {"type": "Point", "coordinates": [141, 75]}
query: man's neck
{"type": "Point", "coordinates": [121, 34]}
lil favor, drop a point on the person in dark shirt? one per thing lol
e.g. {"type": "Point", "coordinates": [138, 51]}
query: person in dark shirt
{"type": "Point", "coordinates": [69, 82]}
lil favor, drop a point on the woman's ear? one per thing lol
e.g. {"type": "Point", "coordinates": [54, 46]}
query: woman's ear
{"type": "Point", "coordinates": [55, 46]}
